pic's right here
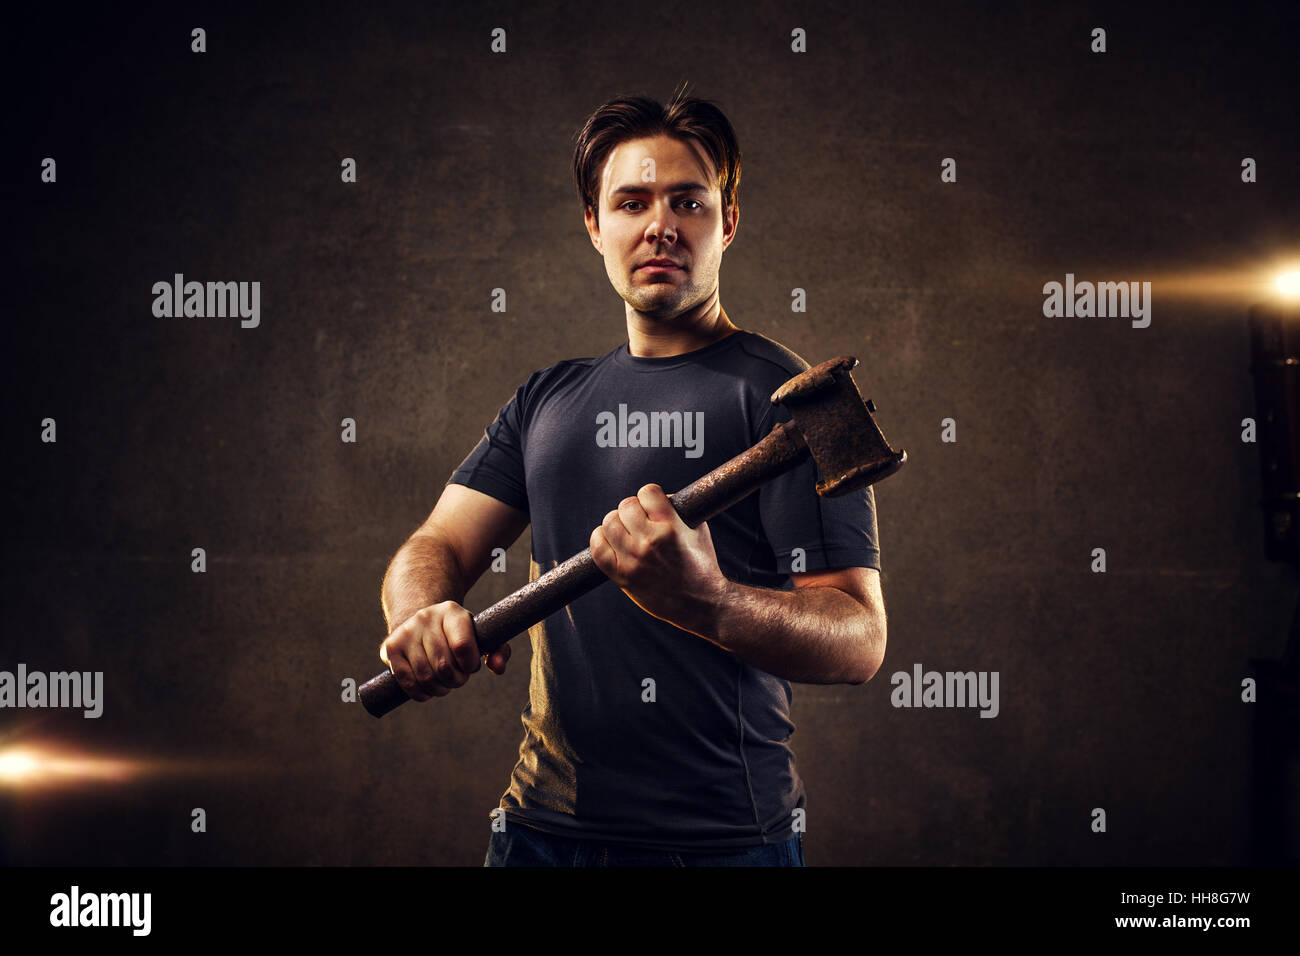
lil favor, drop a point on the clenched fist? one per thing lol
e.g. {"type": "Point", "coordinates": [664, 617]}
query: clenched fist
{"type": "Point", "coordinates": [433, 651]}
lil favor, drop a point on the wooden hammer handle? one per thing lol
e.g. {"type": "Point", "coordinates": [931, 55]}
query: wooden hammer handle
{"type": "Point", "coordinates": [783, 448]}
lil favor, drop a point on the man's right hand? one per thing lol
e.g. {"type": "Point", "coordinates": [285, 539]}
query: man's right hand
{"type": "Point", "coordinates": [433, 651]}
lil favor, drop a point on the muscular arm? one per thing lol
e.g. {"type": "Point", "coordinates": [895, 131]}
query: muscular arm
{"type": "Point", "coordinates": [829, 630]}
{"type": "Point", "coordinates": [423, 572]}
{"type": "Point", "coordinates": [449, 552]}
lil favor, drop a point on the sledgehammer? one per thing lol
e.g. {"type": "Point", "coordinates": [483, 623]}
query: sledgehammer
{"type": "Point", "coordinates": [829, 420]}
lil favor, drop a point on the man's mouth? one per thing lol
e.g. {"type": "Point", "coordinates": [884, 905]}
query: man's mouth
{"type": "Point", "coordinates": [663, 265]}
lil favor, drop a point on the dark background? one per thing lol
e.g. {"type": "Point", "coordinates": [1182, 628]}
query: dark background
{"type": "Point", "coordinates": [1118, 690]}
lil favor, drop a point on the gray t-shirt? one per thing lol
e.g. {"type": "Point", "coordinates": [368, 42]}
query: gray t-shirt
{"type": "Point", "coordinates": [699, 759]}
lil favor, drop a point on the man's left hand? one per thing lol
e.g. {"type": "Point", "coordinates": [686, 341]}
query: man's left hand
{"type": "Point", "coordinates": [668, 569]}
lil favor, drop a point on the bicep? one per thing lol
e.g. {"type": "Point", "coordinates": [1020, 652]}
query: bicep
{"type": "Point", "coordinates": [474, 524]}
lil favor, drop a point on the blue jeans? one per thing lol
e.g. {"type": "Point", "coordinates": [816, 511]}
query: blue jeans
{"type": "Point", "coordinates": [520, 845]}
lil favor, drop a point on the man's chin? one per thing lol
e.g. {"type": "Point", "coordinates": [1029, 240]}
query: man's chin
{"type": "Point", "coordinates": [657, 307]}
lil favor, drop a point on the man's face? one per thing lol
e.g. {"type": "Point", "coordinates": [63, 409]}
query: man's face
{"type": "Point", "coordinates": [670, 208]}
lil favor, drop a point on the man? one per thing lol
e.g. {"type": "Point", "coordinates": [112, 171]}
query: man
{"type": "Point", "coordinates": [657, 730]}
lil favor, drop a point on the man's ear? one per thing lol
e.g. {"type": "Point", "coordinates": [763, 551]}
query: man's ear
{"type": "Point", "coordinates": [591, 218]}
{"type": "Point", "coordinates": [729, 225]}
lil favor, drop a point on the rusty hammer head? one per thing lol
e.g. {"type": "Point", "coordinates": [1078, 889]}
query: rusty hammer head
{"type": "Point", "coordinates": [845, 441]}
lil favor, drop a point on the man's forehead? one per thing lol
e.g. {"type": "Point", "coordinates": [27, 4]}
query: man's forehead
{"type": "Point", "coordinates": [675, 161]}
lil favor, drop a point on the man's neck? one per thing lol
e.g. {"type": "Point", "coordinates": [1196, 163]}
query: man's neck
{"type": "Point", "coordinates": [649, 337]}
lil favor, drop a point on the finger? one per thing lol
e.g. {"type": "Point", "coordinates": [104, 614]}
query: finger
{"type": "Point", "coordinates": [633, 515]}
{"type": "Point", "coordinates": [417, 659]}
{"type": "Point", "coordinates": [655, 504]}
{"type": "Point", "coordinates": [616, 532]}
{"type": "Point", "coordinates": [603, 554]}
{"type": "Point", "coordinates": [401, 669]}
{"type": "Point", "coordinates": [458, 626]}
{"type": "Point", "coordinates": [496, 661]}
{"type": "Point", "coordinates": [442, 664]}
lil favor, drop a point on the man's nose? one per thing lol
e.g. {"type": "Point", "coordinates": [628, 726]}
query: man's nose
{"type": "Point", "coordinates": [663, 225]}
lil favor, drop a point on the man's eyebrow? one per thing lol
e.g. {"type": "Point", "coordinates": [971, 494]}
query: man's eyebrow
{"type": "Point", "coordinates": [688, 187]}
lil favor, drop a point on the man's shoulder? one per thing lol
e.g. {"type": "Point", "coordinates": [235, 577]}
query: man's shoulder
{"type": "Point", "coordinates": [544, 379]}
{"type": "Point", "coordinates": [761, 351]}
{"type": "Point", "coordinates": [762, 363]}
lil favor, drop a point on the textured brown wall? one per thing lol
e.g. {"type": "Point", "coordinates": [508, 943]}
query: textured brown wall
{"type": "Point", "coordinates": [1118, 690]}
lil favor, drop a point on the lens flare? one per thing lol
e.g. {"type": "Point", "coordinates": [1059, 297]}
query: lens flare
{"type": "Point", "coordinates": [1288, 283]}
{"type": "Point", "coordinates": [23, 767]}
{"type": "Point", "coordinates": [16, 766]}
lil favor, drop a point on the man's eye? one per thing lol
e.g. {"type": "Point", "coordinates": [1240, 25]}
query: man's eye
{"type": "Point", "coordinates": [636, 202]}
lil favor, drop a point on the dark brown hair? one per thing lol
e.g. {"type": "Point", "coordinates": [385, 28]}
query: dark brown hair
{"type": "Point", "coordinates": [635, 117]}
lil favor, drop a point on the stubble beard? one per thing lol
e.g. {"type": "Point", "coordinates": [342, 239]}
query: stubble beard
{"type": "Point", "coordinates": [654, 303]}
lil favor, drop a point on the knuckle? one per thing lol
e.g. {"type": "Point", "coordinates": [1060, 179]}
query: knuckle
{"type": "Point", "coordinates": [446, 674]}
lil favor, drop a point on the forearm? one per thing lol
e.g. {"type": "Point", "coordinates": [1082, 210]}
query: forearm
{"type": "Point", "coordinates": [423, 572]}
{"type": "Point", "coordinates": [812, 635]}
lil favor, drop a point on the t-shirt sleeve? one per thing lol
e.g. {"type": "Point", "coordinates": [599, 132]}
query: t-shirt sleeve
{"type": "Point", "coordinates": [838, 532]}
{"type": "Point", "coordinates": [496, 465]}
